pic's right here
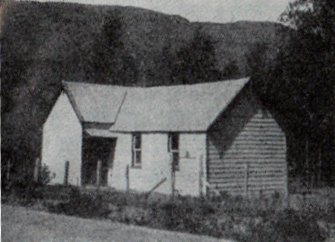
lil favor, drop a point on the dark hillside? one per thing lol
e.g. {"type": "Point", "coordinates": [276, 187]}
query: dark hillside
{"type": "Point", "coordinates": [234, 40]}
{"type": "Point", "coordinates": [43, 43]}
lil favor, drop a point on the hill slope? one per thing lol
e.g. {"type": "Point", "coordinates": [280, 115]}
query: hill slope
{"type": "Point", "coordinates": [44, 43]}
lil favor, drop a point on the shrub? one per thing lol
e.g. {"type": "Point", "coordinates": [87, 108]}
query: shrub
{"type": "Point", "coordinates": [21, 188]}
{"type": "Point", "coordinates": [45, 175]}
{"type": "Point", "coordinates": [135, 215]}
{"type": "Point", "coordinates": [285, 225]}
{"type": "Point", "coordinates": [82, 205]}
{"type": "Point", "coordinates": [182, 214]}
{"type": "Point", "coordinates": [251, 219]}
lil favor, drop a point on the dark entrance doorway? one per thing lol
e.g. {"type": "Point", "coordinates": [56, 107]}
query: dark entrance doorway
{"type": "Point", "coordinates": [98, 156]}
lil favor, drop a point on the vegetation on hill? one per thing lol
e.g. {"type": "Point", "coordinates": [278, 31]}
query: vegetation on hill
{"type": "Point", "coordinates": [44, 43]}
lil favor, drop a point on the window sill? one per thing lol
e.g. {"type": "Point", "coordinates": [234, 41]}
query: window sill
{"type": "Point", "coordinates": [136, 167]}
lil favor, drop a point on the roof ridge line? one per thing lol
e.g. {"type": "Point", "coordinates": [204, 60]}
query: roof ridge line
{"type": "Point", "coordinates": [121, 104]}
{"type": "Point", "coordinates": [72, 101]}
{"type": "Point", "coordinates": [159, 86]}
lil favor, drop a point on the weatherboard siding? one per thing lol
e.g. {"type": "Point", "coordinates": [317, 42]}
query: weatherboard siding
{"type": "Point", "coordinates": [247, 151]}
{"type": "Point", "coordinates": [62, 141]}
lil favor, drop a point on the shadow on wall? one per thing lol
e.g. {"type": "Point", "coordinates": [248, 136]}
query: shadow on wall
{"type": "Point", "coordinates": [98, 157]}
{"type": "Point", "coordinates": [229, 124]}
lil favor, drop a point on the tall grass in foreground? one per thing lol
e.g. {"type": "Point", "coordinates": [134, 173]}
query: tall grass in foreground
{"type": "Point", "coordinates": [254, 219]}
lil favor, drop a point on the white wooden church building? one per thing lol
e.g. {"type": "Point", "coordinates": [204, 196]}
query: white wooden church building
{"type": "Point", "coordinates": [192, 139]}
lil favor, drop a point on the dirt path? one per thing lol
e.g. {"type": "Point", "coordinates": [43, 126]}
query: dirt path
{"type": "Point", "coordinates": [21, 224]}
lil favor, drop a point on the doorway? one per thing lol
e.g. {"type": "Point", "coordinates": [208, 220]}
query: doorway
{"type": "Point", "coordinates": [97, 159]}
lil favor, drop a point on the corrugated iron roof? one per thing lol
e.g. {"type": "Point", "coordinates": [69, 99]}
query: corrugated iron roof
{"type": "Point", "coordinates": [164, 108]}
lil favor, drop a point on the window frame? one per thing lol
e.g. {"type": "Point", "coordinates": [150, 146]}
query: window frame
{"type": "Point", "coordinates": [136, 163]}
{"type": "Point", "coordinates": [174, 151]}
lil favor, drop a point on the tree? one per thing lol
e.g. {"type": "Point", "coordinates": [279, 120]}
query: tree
{"type": "Point", "coordinates": [309, 67]}
{"type": "Point", "coordinates": [231, 69]}
{"type": "Point", "coordinates": [111, 62]}
{"type": "Point", "coordinates": [165, 61]}
{"type": "Point", "coordinates": [300, 82]}
{"type": "Point", "coordinates": [196, 61]}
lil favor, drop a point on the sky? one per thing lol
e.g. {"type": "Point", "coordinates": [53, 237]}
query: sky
{"type": "Point", "coordinates": [219, 11]}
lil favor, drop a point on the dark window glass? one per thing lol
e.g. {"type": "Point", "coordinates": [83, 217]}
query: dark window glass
{"type": "Point", "coordinates": [137, 158]}
{"type": "Point", "coordinates": [136, 151]}
{"type": "Point", "coordinates": [173, 148]}
{"type": "Point", "coordinates": [137, 141]}
{"type": "Point", "coordinates": [174, 142]}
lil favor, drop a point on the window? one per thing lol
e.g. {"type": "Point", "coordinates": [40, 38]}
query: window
{"type": "Point", "coordinates": [173, 148]}
{"type": "Point", "coordinates": [136, 151]}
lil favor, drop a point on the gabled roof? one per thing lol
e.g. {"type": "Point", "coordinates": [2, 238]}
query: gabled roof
{"type": "Point", "coordinates": [95, 103]}
{"type": "Point", "coordinates": [164, 108]}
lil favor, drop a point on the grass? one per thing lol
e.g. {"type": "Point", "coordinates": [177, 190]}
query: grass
{"type": "Point", "coordinates": [255, 219]}
{"type": "Point", "coordinates": [21, 224]}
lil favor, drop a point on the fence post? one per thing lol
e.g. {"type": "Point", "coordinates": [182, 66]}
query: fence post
{"type": "Point", "coordinates": [201, 176]}
{"type": "Point", "coordinates": [173, 177]}
{"type": "Point", "coordinates": [286, 191]}
{"type": "Point", "coordinates": [66, 175]}
{"type": "Point", "coordinates": [127, 178]}
{"type": "Point", "coordinates": [99, 163]}
{"type": "Point", "coordinates": [37, 169]}
{"type": "Point", "coordinates": [246, 179]}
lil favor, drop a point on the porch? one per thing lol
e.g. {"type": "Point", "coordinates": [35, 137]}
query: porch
{"type": "Point", "coordinates": [97, 160]}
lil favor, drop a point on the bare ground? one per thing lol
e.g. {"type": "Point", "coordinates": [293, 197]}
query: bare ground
{"type": "Point", "coordinates": [21, 224]}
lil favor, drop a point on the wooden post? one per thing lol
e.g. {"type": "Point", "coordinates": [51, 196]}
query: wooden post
{"type": "Point", "coordinates": [286, 192]}
{"type": "Point", "coordinates": [37, 169]}
{"type": "Point", "coordinates": [246, 178]}
{"type": "Point", "coordinates": [66, 174]}
{"type": "Point", "coordinates": [98, 180]}
{"type": "Point", "coordinates": [156, 186]}
{"type": "Point", "coordinates": [201, 176]}
{"type": "Point", "coordinates": [173, 177]}
{"type": "Point", "coordinates": [127, 178]}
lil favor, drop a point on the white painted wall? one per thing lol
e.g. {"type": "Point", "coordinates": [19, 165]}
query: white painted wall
{"type": "Point", "coordinates": [62, 141]}
{"type": "Point", "coordinates": [156, 164]}
{"type": "Point", "coordinates": [122, 158]}
{"type": "Point", "coordinates": [188, 176]}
